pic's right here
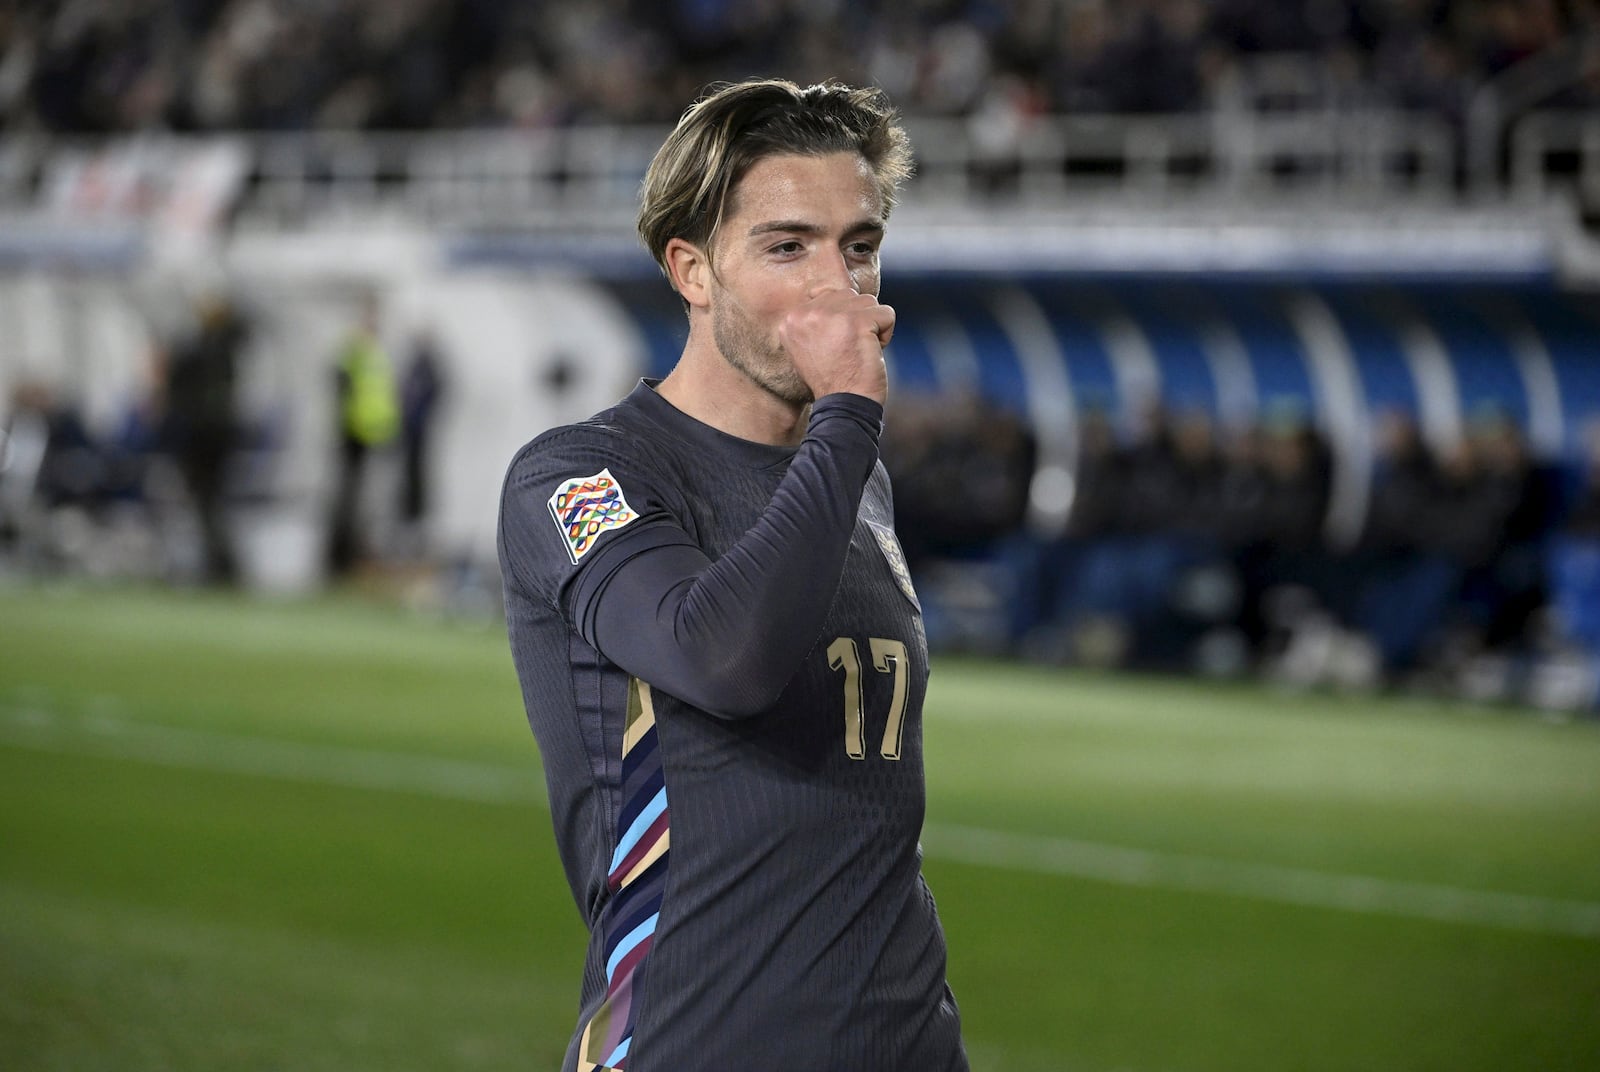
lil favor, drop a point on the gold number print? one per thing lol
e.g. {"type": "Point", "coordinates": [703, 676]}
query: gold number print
{"type": "Point", "coordinates": [842, 654]}
{"type": "Point", "coordinates": [888, 657]}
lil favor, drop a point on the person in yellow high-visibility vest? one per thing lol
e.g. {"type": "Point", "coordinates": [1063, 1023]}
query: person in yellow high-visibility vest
{"type": "Point", "coordinates": [369, 418]}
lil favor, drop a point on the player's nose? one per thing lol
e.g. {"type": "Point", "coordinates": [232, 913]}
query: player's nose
{"type": "Point", "coordinates": [830, 271]}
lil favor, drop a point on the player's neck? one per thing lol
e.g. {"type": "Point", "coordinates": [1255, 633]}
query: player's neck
{"type": "Point", "coordinates": [707, 388]}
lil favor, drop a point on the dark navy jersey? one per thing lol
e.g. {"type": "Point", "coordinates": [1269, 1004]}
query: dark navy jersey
{"type": "Point", "coordinates": [723, 662]}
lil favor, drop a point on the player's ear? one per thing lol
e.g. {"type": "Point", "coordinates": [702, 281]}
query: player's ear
{"type": "Point", "coordinates": [689, 269]}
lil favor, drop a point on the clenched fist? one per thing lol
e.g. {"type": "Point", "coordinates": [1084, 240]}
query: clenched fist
{"type": "Point", "coordinates": [836, 341]}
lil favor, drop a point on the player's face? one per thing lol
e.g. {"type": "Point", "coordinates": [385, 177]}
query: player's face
{"type": "Point", "coordinates": [797, 226]}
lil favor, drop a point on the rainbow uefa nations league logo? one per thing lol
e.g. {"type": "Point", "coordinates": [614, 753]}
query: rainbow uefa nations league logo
{"type": "Point", "coordinates": [587, 506]}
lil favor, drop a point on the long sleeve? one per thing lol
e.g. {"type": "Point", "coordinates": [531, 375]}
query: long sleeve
{"type": "Point", "coordinates": [727, 635]}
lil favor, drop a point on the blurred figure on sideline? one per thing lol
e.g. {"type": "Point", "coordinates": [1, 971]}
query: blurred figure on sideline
{"type": "Point", "coordinates": [961, 466]}
{"type": "Point", "coordinates": [201, 426]}
{"type": "Point", "coordinates": [46, 461]}
{"type": "Point", "coordinates": [420, 390]}
{"type": "Point", "coordinates": [1393, 580]}
{"type": "Point", "coordinates": [1573, 563]}
{"type": "Point", "coordinates": [369, 417]}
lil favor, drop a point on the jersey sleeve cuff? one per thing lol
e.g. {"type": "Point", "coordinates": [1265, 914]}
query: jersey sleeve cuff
{"type": "Point", "coordinates": [864, 411]}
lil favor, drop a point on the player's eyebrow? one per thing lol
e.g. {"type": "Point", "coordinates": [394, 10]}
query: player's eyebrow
{"type": "Point", "coordinates": [790, 226]}
{"type": "Point", "coordinates": [803, 227]}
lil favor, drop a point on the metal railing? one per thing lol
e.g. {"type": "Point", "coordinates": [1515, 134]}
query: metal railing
{"type": "Point", "coordinates": [587, 178]}
{"type": "Point", "coordinates": [1556, 152]}
{"type": "Point", "coordinates": [1351, 155]}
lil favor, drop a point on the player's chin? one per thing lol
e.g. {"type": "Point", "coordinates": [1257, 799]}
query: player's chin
{"type": "Point", "coordinates": [788, 387]}
{"type": "Point", "coordinates": [794, 394]}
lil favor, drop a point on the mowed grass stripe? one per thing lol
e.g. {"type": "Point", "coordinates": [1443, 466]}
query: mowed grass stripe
{"type": "Point", "coordinates": [109, 736]}
{"type": "Point", "coordinates": [1286, 885]}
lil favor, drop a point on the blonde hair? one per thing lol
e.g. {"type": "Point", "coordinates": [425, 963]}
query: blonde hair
{"type": "Point", "coordinates": [691, 180]}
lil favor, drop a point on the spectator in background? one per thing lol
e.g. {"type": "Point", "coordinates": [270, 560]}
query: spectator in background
{"type": "Point", "coordinates": [961, 467]}
{"type": "Point", "coordinates": [1071, 561]}
{"type": "Point", "coordinates": [48, 463]}
{"type": "Point", "coordinates": [50, 432]}
{"type": "Point", "coordinates": [1096, 499]}
{"type": "Point", "coordinates": [1506, 592]}
{"type": "Point", "coordinates": [1278, 506]}
{"type": "Point", "coordinates": [369, 416]}
{"type": "Point", "coordinates": [1077, 73]}
{"type": "Point", "coordinates": [1154, 64]}
{"type": "Point", "coordinates": [201, 426]}
{"type": "Point", "coordinates": [1171, 481]}
{"type": "Point", "coordinates": [1404, 574]}
{"type": "Point", "coordinates": [963, 470]}
{"type": "Point", "coordinates": [1573, 563]}
{"type": "Point", "coordinates": [1404, 474]}
{"type": "Point", "coordinates": [420, 390]}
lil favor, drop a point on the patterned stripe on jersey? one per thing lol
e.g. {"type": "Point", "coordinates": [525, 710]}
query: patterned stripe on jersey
{"type": "Point", "coordinates": [638, 875]}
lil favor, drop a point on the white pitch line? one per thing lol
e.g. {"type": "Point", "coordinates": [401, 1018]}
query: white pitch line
{"type": "Point", "coordinates": [1040, 854]}
{"type": "Point", "coordinates": [316, 764]}
{"type": "Point", "coordinates": [1287, 885]}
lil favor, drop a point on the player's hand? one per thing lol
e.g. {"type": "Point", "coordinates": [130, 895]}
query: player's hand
{"type": "Point", "coordinates": [836, 340]}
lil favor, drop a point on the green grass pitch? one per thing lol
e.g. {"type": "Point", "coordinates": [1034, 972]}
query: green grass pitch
{"type": "Point", "coordinates": [308, 836]}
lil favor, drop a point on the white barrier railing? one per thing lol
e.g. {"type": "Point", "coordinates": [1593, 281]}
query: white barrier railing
{"type": "Point", "coordinates": [1556, 152]}
{"type": "Point", "coordinates": [587, 177]}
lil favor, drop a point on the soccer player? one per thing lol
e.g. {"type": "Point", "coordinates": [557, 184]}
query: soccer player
{"type": "Point", "coordinates": [720, 649]}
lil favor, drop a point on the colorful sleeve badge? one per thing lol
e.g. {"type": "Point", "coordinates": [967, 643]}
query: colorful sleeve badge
{"type": "Point", "coordinates": [587, 506]}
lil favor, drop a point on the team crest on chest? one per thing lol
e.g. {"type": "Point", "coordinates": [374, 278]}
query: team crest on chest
{"type": "Point", "coordinates": [586, 507]}
{"type": "Point", "coordinates": [890, 546]}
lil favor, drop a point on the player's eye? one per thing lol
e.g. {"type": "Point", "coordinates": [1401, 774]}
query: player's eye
{"type": "Point", "coordinates": [790, 246]}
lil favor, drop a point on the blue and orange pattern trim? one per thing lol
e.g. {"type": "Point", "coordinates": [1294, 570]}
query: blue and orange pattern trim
{"type": "Point", "coordinates": [637, 878]}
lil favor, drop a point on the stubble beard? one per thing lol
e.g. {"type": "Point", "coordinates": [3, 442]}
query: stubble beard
{"type": "Point", "coordinates": [761, 361]}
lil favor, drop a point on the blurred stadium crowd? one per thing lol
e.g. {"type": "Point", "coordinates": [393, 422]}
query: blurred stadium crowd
{"type": "Point", "coordinates": [1203, 548]}
{"type": "Point", "coordinates": [96, 66]}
